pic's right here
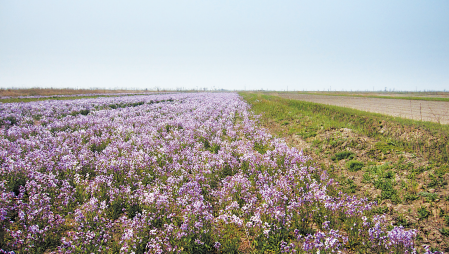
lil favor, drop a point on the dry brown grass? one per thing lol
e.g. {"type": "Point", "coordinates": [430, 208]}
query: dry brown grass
{"type": "Point", "coordinates": [12, 92]}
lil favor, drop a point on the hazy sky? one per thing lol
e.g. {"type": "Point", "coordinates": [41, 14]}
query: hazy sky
{"type": "Point", "coordinates": [311, 45]}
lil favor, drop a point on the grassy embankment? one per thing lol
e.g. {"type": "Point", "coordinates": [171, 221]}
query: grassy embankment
{"type": "Point", "coordinates": [400, 163]}
{"type": "Point", "coordinates": [432, 144]}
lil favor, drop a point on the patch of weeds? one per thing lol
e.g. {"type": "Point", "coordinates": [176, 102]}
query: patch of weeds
{"type": "Point", "coordinates": [386, 147]}
{"type": "Point", "coordinates": [366, 178]}
{"type": "Point", "coordinates": [411, 197]}
{"type": "Point", "coordinates": [284, 123]}
{"type": "Point", "coordinates": [135, 104]}
{"type": "Point", "coordinates": [435, 250]}
{"type": "Point", "coordinates": [412, 186]}
{"type": "Point", "coordinates": [379, 170]}
{"type": "Point", "coordinates": [409, 166]}
{"type": "Point", "coordinates": [385, 182]}
{"type": "Point", "coordinates": [293, 130]}
{"type": "Point", "coordinates": [99, 147]}
{"type": "Point", "coordinates": [423, 213]}
{"type": "Point", "coordinates": [354, 143]}
{"type": "Point", "coordinates": [396, 199]}
{"type": "Point", "coordinates": [350, 186]}
{"type": "Point", "coordinates": [83, 112]}
{"type": "Point", "coordinates": [389, 175]}
{"type": "Point", "coordinates": [206, 144]}
{"type": "Point", "coordinates": [403, 184]}
{"type": "Point", "coordinates": [316, 142]}
{"type": "Point", "coordinates": [442, 170]}
{"type": "Point", "coordinates": [336, 142]}
{"type": "Point", "coordinates": [343, 155]}
{"type": "Point", "coordinates": [388, 192]}
{"type": "Point", "coordinates": [133, 210]}
{"type": "Point", "coordinates": [420, 169]}
{"type": "Point", "coordinates": [308, 132]}
{"type": "Point", "coordinates": [446, 220]}
{"type": "Point", "coordinates": [419, 237]}
{"type": "Point", "coordinates": [374, 154]}
{"type": "Point", "coordinates": [354, 165]}
{"type": "Point", "coordinates": [380, 210]}
{"type": "Point", "coordinates": [227, 171]}
{"type": "Point", "coordinates": [402, 221]}
{"type": "Point", "coordinates": [215, 148]}
{"type": "Point", "coordinates": [444, 231]}
{"type": "Point", "coordinates": [261, 148]}
{"type": "Point", "coordinates": [116, 209]}
{"type": "Point", "coordinates": [430, 197]}
{"type": "Point", "coordinates": [436, 180]}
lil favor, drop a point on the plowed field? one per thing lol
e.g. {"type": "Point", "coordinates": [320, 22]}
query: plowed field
{"type": "Point", "coordinates": [434, 111]}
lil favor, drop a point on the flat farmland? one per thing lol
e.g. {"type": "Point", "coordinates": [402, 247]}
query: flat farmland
{"type": "Point", "coordinates": [433, 111]}
{"type": "Point", "coordinates": [171, 173]}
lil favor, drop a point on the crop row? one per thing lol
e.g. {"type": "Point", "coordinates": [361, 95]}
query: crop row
{"type": "Point", "coordinates": [179, 173]}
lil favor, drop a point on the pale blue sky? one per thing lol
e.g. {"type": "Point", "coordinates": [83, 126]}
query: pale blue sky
{"type": "Point", "coordinates": [358, 45]}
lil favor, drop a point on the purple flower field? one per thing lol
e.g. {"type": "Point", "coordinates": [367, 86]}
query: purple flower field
{"type": "Point", "coordinates": [173, 173]}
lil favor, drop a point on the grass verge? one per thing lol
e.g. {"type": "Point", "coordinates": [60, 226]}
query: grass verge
{"type": "Point", "coordinates": [429, 140]}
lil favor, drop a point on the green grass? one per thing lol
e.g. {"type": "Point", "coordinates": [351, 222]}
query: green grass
{"type": "Point", "coordinates": [423, 213]}
{"type": "Point", "coordinates": [444, 231]}
{"type": "Point", "coordinates": [343, 155]}
{"type": "Point", "coordinates": [307, 118]}
{"type": "Point", "coordinates": [430, 197]}
{"type": "Point", "coordinates": [354, 165]}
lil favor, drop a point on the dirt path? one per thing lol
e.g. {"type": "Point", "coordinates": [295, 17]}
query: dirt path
{"type": "Point", "coordinates": [433, 111]}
